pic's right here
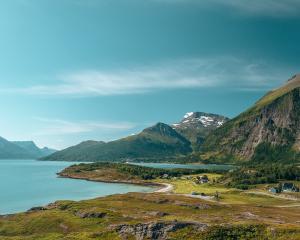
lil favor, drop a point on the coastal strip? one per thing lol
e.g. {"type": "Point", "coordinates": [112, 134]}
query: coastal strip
{"type": "Point", "coordinates": [160, 187]}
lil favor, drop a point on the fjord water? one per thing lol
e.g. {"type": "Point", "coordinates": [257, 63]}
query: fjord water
{"type": "Point", "coordinates": [28, 183]}
{"type": "Point", "coordinates": [186, 166]}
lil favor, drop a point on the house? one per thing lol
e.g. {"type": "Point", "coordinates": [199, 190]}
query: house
{"type": "Point", "coordinates": [289, 187]}
{"type": "Point", "coordinates": [202, 179]}
{"type": "Point", "coordinates": [165, 176]}
{"type": "Point", "coordinates": [273, 190]}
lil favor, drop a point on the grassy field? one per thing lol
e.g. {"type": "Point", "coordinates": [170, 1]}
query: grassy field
{"type": "Point", "coordinates": [229, 195]}
{"type": "Point", "coordinates": [186, 186]}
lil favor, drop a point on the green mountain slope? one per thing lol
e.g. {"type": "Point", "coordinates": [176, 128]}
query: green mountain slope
{"type": "Point", "coordinates": [158, 141]}
{"type": "Point", "coordinates": [195, 126]}
{"type": "Point", "coordinates": [9, 150]}
{"type": "Point", "coordinates": [33, 150]}
{"type": "Point", "coordinates": [268, 131]}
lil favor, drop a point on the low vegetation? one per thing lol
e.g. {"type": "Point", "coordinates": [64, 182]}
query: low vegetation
{"type": "Point", "coordinates": [267, 153]}
{"type": "Point", "coordinates": [179, 217]}
{"type": "Point", "coordinates": [249, 176]}
{"type": "Point", "coordinates": [123, 171]}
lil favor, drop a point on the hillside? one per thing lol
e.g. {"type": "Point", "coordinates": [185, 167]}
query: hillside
{"type": "Point", "coordinates": [158, 141]}
{"type": "Point", "coordinates": [9, 150]}
{"type": "Point", "coordinates": [268, 131]}
{"type": "Point", "coordinates": [22, 150]}
{"type": "Point", "coordinates": [195, 126]}
{"type": "Point", "coordinates": [33, 150]}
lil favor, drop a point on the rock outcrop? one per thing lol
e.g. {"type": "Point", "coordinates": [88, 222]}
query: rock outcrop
{"type": "Point", "coordinates": [90, 214]}
{"type": "Point", "coordinates": [154, 230]}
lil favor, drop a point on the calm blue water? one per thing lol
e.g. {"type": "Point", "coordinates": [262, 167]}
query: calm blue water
{"type": "Point", "coordinates": [188, 166]}
{"type": "Point", "coordinates": [28, 183]}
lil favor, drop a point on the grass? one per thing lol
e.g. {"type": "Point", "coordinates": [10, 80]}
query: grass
{"type": "Point", "coordinates": [228, 195]}
{"type": "Point", "coordinates": [61, 221]}
{"type": "Point", "coordinates": [185, 186]}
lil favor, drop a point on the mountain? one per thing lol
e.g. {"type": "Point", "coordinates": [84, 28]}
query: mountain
{"type": "Point", "coordinates": [22, 150]}
{"type": "Point", "coordinates": [34, 151]}
{"type": "Point", "coordinates": [85, 151]}
{"type": "Point", "coordinates": [195, 126]}
{"type": "Point", "coordinates": [268, 131]}
{"type": "Point", "coordinates": [47, 151]}
{"type": "Point", "coordinates": [158, 141]}
{"type": "Point", "coordinates": [9, 150]}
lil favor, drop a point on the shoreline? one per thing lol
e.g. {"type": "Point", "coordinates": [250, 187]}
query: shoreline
{"type": "Point", "coordinates": [162, 187]}
{"type": "Point", "coordinates": [166, 189]}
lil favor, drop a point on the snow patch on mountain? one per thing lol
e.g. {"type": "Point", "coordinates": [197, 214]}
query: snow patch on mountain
{"type": "Point", "coordinates": [187, 115]}
{"type": "Point", "coordinates": [206, 121]}
{"type": "Point", "coordinates": [220, 123]}
{"type": "Point", "coordinates": [199, 119]}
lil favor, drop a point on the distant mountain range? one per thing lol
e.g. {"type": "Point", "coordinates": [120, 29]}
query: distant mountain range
{"type": "Point", "coordinates": [157, 142]}
{"type": "Point", "coordinates": [22, 150]}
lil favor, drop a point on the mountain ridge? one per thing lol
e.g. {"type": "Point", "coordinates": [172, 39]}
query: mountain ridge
{"type": "Point", "coordinates": [159, 140]}
{"type": "Point", "coordinates": [9, 150]}
{"type": "Point", "coordinates": [33, 149]}
{"type": "Point", "coordinates": [268, 131]}
{"type": "Point", "coordinates": [21, 150]}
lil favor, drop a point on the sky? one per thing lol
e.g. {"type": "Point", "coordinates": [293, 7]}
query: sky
{"type": "Point", "coordinates": [74, 70]}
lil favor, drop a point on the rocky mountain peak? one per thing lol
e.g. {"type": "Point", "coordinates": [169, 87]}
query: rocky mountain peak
{"type": "Point", "coordinates": [195, 126]}
{"type": "Point", "coordinates": [296, 77]}
{"type": "Point", "coordinates": [162, 129]}
{"type": "Point", "coordinates": [201, 120]}
{"type": "Point", "coordinates": [292, 83]}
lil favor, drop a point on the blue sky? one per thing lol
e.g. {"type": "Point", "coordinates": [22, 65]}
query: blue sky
{"type": "Point", "coordinates": [73, 70]}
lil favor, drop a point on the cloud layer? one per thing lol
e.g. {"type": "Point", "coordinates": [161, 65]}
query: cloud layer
{"type": "Point", "coordinates": [181, 74]}
{"type": "Point", "coordinates": [62, 127]}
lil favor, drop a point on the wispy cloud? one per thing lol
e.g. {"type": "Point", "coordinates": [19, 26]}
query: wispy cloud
{"type": "Point", "coordinates": [63, 127]}
{"type": "Point", "coordinates": [273, 8]}
{"type": "Point", "coordinates": [179, 74]}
